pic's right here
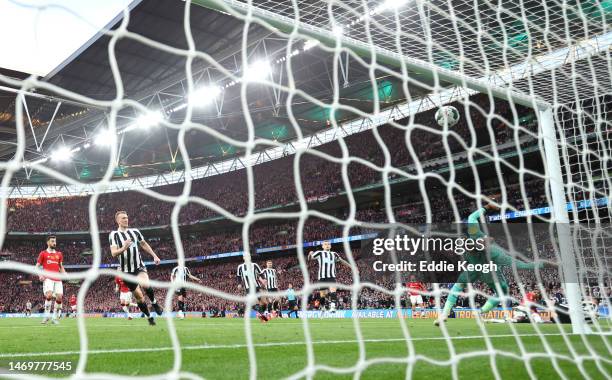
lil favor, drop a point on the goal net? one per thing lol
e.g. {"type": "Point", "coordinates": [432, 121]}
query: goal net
{"type": "Point", "coordinates": [325, 115]}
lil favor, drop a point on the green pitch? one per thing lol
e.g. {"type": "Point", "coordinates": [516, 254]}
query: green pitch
{"type": "Point", "coordinates": [217, 349]}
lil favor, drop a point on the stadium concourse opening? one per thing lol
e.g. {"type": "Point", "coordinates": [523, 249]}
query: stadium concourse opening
{"type": "Point", "coordinates": [206, 189]}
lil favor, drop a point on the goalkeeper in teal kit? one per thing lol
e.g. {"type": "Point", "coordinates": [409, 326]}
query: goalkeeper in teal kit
{"type": "Point", "coordinates": [496, 254]}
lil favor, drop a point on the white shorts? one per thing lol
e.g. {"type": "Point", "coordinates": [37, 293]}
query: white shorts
{"type": "Point", "coordinates": [55, 287]}
{"type": "Point", "coordinates": [416, 300]}
{"type": "Point", "coordinates": [73, 307]}
{"type": "Point", "coordinates": [125, 297]}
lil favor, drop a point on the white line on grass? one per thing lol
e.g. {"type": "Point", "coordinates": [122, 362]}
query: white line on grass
{"type": "Point", "coordinates": [270, 344]}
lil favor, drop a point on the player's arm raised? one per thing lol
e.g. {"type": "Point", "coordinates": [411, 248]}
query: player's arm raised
{"type": "Point", "coordinates": [194, 278]}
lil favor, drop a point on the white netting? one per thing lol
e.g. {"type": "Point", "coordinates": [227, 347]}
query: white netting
{"type": "Point", "coordinates": [534, 78]}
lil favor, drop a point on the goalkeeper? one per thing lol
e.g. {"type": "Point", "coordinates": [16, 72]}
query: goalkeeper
{"type": "Point", "coordinates": [497, 254]}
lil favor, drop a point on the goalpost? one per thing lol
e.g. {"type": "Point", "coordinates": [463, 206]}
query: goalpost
{"type": "Point", "coordinates": [509, 69]}
{"type": "Point", "coordinates": [559, 214]}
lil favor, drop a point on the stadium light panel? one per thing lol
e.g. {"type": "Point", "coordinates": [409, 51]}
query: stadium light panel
{"type": "Point", "coordinates": [391, 4]}
{"type": "Point", "coordinates": [105, 138]}
{"type": "Point", "coordinates": [61, 154]}
{"type": "Point", "coordinates": [204, 95]}
{"type": "Point", "coordinates": [257, 70]}
{"type": "Point", "coordinates": [149, 119]}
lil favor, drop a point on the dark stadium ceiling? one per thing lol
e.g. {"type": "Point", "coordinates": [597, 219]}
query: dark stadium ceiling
{"type": "Point", "coordinates": [157, 79]}
{"type": "Point", "coordinates": [146, 71]}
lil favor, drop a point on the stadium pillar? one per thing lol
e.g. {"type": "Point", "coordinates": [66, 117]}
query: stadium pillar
{"type": "Point", "coordinates": [560, 216]}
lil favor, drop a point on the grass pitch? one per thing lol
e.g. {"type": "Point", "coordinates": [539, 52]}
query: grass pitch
{"type": "Point", "coordinates": [217, 348]}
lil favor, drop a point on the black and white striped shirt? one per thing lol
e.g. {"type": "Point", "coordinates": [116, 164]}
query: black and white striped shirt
{"type": "Point", "coordinates": [271, 279]}
{"type": "Point", "coordinates": [327, 264]}
{"type": "Point", "coordinates": [130, 260]}
{"type": "Point", "coordinates": [249, 275]}
{"type": "Point", "coordinates": [180, 273]}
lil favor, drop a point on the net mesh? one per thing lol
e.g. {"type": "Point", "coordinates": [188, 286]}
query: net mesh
{"type": "Point", "coordinates": [553, 54]}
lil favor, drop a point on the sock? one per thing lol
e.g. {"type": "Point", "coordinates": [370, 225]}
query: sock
{"type": "Point", "coordinates": [181, 306]}
{"type": "Point", "coordinates": [57, 311]}
{"type": "Point", "coordinates": [452, 299]}
{"type": "Point", "coordinates": [143, 307]}
{"type": "Point", "coordinates": [47, 308]}
{"type": "Point", "coordinates": [490, 304]}
{"type": "Point", "coordinates": [127, 311]}
{"type": "Point", "coordinates": [151, 295]}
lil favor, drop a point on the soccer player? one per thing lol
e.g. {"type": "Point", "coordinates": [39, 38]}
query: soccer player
{"type": "Point", "coordinates": [292, 302]}
{"type": "Point", "coordinates": [326, 259]}
{"type": "Point", "coordinates": [415, 289]}
{"type": "Point", "coordinates": [528, 305]}
{"type": "Point", "coordinates": [497, 254]}
{"type": "Point", "coordinates": [248, 276]}
{"type": "Point", "coordinates": [271, 281]}
{"type": "Point", "coordinates": [28, 309]}
{"type": "Point", "coordinates": [181, 274]}
{"type": "Point", "coordinates": [73, 305]}
{"type": "Point", "coordinates": [125, 297]}
{"type": "Point", "coordinates": [52, 261]}
{"type": "Point", "coordinates": [125, 243]}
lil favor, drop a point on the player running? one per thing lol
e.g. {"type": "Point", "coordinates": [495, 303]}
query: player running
{"type": "Point", "coordinates": [327, 273]}
{"type": "Point", "coordinates": [125, 297]}
{"type": "Point", "coordinates": [125, 244]}
{"type": "Point", "coordinates": [415, 290]}
{"type": "Point", "coordinates": [180, 275]}
{"type": "Point", "coordinates": [251, 276]}
{"type": "Point", "coordinates": [52, 261]}
{"type": "Point", "coordinates": [495, 253]}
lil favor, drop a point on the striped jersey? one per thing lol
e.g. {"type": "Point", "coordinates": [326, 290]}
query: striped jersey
{"type": "Point", "coordinates": [249, 275]}
{"type": "Point", "coordinates": [130, 259]}
{"type": "Point", "coordinates": [180, 273]}
{"type": "Point", "coordinates": [270, 277]}
{"type": "Point", "coordinates": [327, 264]}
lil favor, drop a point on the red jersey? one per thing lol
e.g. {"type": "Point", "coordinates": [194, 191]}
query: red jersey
{"type": "Point", "coordinates": [51, 261]}
{"type": "Point", "coordinates": [122, 287]}
{"type": "Point", "coordinates": [73, 300]}
{"type": "Point", "coordinates": [416, 288]}
{"type": "Point", "coordinates": [529, 297]}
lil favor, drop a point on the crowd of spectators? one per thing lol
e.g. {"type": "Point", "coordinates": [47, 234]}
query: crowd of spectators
{"type": "Point", "coordinates": [274, 180]}
{"type": "Point", "coordinates": [274, 186]}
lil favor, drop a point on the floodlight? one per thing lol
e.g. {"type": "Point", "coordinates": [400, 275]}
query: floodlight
{"type": "Point", "coordinates": [149, 119]}
{"type": "Point", "coordinates": [257, 70]}
{"type": "Point", "coordinates": [204, 95]}
{"type": "Point", "coordinates": [62, 153]}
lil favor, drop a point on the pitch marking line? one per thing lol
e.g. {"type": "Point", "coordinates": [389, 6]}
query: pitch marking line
{"type": "Point", "coordinates": [271, 344]}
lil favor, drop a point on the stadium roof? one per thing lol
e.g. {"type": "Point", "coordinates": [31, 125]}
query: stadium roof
{"type": "Point", "coordinates": [156, 78]}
